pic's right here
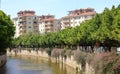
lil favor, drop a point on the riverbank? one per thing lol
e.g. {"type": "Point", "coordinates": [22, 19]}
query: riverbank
{"type": "Point", "coordinates": [43, 54]}
{"type": "Point", "coordinates": [34, 65]}
{"type": "Point", "coordinates": [3, 59]}
{"type": "Point", "coordinates": [68, 60]}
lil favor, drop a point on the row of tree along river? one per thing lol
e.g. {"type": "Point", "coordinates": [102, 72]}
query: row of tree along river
{"type": "Point", "coordinates": [95, 36]}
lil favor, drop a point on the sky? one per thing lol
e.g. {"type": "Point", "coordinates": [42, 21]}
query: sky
{"type": "Point", "coordinates": [59, 8]}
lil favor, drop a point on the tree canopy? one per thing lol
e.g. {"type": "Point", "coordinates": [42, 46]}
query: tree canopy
{"type": "Point", "coordinates": [103, 27]}
{"type": "Point", "coordinates": [6, 31]}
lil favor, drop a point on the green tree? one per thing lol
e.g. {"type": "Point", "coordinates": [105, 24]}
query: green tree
{"type": "Point", "coordinates": [6, 31]}
{"type": "Point", "coordinates": [103, 28]}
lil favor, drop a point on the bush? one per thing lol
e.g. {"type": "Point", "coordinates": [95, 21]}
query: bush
{"type": "Point", "coordinates": [105, 63]}
{"type": "Point", "coordinates": [69, 53]}
{"type": "Point", "coordinates": [56, 53]}
{"type": "Point", "coordinates": [48, 50]}
{"type": "Point", "coordinates": [80, 58]}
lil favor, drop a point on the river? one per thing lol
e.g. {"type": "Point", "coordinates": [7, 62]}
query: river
{"type": "Point", "coordinates": [34, 65]}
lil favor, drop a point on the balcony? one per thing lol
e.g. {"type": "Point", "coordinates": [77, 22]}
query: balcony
{"type": "Point", "coordinates": [68, 20]}
{"type": "Point", "coordinates": [21, 26]}
{"type": "Point", "coordinates": [48, 30]}
{"type": "Point", "coordinates": [51, 25]}
{"type": "Point", "coordinates": [66, 23]}
{"type": "Point", "coordinates": [21, 29]}
{"type": "Point", "coordinates": [22, 32]}
{"type": "Point", "coordinates": [35, 27]}
{"type": "Point", "coordinates": [36, 31]}
{"type": "Point", "coordinates": [20, 20]}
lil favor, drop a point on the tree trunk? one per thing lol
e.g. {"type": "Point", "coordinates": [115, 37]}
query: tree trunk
{"type": "Point", "coordinates": [78, 48]}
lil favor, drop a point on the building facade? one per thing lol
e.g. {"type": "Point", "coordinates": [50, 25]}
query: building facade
{"type": "Point", "coordinates": [26, 22]}
{"type": "Point", "coordinates": [75, 17]}
{"type": "Point", "coordinates": [48, 23]}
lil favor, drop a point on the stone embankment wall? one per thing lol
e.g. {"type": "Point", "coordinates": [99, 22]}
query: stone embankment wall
{"type": "Point", "coordinates": [69, 60]}
{"type": "Point", "coordinates": [3, 59]}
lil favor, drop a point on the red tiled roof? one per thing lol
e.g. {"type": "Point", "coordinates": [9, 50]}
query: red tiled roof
{"type": "Point", "coordinates": [49, 19]}
{"type": "Point", "coordinates": [77, 10]}
{"type": "Point", "coordinates": [26, 11]}
{"type": "Point", "coordinates": [83, 14]}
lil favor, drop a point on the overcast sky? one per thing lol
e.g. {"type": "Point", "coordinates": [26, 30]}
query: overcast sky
{"type": "Point", "coordinates": [58, 8]}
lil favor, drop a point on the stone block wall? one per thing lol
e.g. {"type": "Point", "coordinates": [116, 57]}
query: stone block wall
{"type": "Point", "coordinates": [68, 61]}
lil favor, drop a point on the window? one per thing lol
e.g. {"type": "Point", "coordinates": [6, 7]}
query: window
{"type": "Point", "coordinates": [35, 26]}
{"type": "Point", "coordinates": [35, 18]}
{"type": "Point", "coordinates": [35, 22]}
{"type": "Point", "coordinates": [24, 26]}
{"type": "Point", "coordinates": [24, 31]}
{"type": "Point", "coordinates": [29, 22]}
{"type": "Point", "coordinates": [29, 18]}
{"type": "Point", "coordinates": [36, 30]}
{"type": "Point", "coordinates": [29, 27]}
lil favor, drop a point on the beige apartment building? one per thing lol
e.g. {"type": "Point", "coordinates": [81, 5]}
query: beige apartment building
{"type": "Point", "coordinates": [48, 23]}
{"type": "Point", "coordinates": [75, 17]}
{"type": "Point", "coordinates": [26, 22]}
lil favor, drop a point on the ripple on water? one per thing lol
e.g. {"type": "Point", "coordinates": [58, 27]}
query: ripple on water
{"type": "Point", "coordinates": [17, 66]}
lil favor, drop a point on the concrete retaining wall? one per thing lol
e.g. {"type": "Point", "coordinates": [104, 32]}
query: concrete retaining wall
{"type": "Point", "coordinates": [69, 60]}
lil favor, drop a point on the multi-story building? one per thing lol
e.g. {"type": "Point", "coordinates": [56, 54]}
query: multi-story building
{"type": "Point", "coordinates": [26, 22]}
{"type": "Point", "coordinates": [15, 21]}
{"type": "Point", "coordinates": [48, 23]}
{"type": "Point", "coordinates": [75, 17]}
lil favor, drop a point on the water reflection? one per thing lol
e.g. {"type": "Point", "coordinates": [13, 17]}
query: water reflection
{"type": "Point", "coordinates": [34, 65]}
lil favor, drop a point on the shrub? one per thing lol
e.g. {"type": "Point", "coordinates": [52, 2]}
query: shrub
{"type": "Point", "coordinates": [80, 58]}
{"type": "Point", "coordinates": [56, 53]}
{"type": "Point", "coordinates": [69, 53]}
{"type": "Point", "coordinates": [105, 63]}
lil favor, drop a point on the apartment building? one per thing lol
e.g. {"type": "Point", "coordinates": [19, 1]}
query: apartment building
{"type": "Point", "coordinates": [75, 17]}
{"type": "Point", "coordinates": [48, 23]}
{"type": "Point", "coordinates": [26, 22]}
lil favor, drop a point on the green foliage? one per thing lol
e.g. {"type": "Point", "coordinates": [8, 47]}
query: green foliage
{"type": "Point", "coordinates": [6, 31]}
{"type": "Point", "coordinates": [104, 27]}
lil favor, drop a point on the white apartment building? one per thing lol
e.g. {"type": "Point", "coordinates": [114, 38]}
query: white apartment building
{"type": "Point", "coordinates": [47, 23]}
{"type": "Point", "coordinates": [26, 22]}
{"type": "Point", "coordinates": [75, 17]}
{"type": "Point", "coordinates": [15, 21]}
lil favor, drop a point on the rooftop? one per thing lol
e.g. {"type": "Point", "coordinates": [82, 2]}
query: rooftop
{"type": "Point", "coordinates": [26, 13]}
{"type": "Point", "coordinates": [80, 12]}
